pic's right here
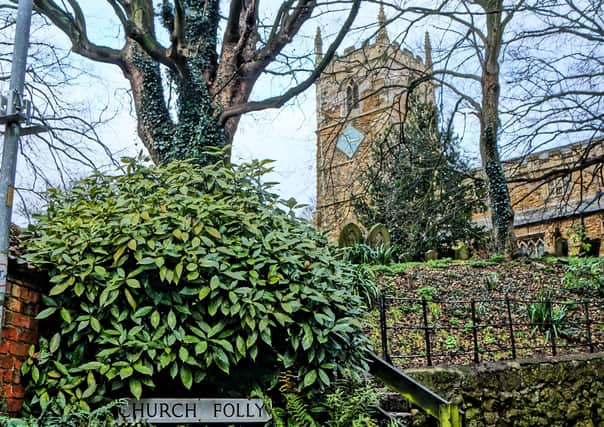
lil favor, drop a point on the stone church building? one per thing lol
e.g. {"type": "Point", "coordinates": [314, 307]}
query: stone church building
{"type": "Point", "coordinates": [558, 207]}
{"type": "Point", "coordinates": [359, 95]}
{"type": "Point", "coordinates": [364, 91]}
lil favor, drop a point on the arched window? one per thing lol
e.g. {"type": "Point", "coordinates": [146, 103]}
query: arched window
{"type": "Point", "coordinates": [522, 248]}
{"type": "Point", "coordinates": [530, 250]}
{"type": "Point", "coordinates": [352, 96]}
{"type": "Point", "coordinates": [540, 248]}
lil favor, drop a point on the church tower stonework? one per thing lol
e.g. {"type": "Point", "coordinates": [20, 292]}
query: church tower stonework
{"type": "Point", "coordinates": [359, 95]}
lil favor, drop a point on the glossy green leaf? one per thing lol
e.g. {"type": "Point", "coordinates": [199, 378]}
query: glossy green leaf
{"type": "Point", "coordinates": [310, 378]}
{"type": "Point", "coordinates": [155, 319]}
{"type": "Point", "coordinates": [186, 377]}
{"type": "Point", "coordinates": [171, 320]}
{"type": "Point", "coordinates": [55, 342]}
{"type": "Point", "coordinates": [47, 312]}
{"type": "Point", "coordinates": [135, 388]}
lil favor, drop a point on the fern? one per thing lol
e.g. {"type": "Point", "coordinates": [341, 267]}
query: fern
{"type": "Point", "coordinates": [295, 412]}
{"type": "Point", "coordinates": [349, 404]}
{"type": "Point", "coordinates": [73, 417]}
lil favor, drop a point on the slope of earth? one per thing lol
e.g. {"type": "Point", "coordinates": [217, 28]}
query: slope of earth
{"type": "Point", "coordinates": [453, 313]}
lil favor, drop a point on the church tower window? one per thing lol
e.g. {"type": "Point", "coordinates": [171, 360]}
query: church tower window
{"type": "Point", "coordinates": [352, 97]}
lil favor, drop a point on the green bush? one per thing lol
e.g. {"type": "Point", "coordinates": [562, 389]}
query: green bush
{"type": "Point", "coordinates": [585, 275]}
{"type": "Point", "coordinates": [191, 277]}
{"type": "Point", "coordinates": [77, 417]}
{"type": "Point", "coordinates": [362, 253]}
{"type": "Point", "coordinates": [544, 316]}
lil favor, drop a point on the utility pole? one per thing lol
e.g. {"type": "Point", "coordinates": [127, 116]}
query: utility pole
{"type": "Point", "coordinates": [13, 111]}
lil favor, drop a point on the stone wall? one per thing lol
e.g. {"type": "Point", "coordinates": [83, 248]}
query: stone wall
{"type": "Point", "coordinates": [562, 391]}
{"type": "Point", "coordinates": [19, 332]}
{"type": "Point", "coordinates": [377, 69]}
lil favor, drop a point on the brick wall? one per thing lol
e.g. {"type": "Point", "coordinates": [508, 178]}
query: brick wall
{"type": "Point", "coordinates": [19, 332]}
{"type": "Point", "coordinates": [566, 196]}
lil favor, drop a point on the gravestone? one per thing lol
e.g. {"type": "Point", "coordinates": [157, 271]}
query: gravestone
{"type": "Point", "coordinates": [461, 251]}
{"type": "Point", "coordinates": [350, 235]}
{"type": "Point", "coordinates": [378, 236]}
{"type": "Point", "coordinates": [431, 255]}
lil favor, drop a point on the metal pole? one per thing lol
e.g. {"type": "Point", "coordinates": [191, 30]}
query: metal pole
{"type": "Point", "coordinates": [12, 117]}
{"type": "Point", "coordinates": [511, 326]}
{"type": "Point", "coordinates": [588, 327]}
{"type": "Point", "coordinates": [551, 326]}
{"type": "Point", "coordinates": [475, 332]}
{"type": "Point", "coordinates": [384, 329]}
{"type": "Point", "coordinates": [426, 331]}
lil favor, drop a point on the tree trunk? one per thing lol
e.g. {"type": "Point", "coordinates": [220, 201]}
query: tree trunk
{"type": "Point", "coordinates": [502, 214]}
{"type": "Point", "coordinates": [155, 128]}
{"type": "Point", "coordinates": [191, 129]}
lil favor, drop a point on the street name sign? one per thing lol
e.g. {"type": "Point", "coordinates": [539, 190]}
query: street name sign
{"type": "Point", "coordinates": [160, 411]}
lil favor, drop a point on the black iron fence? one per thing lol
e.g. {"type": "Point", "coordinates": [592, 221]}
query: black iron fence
{"type": "Point", "coordinates": [419, 332]}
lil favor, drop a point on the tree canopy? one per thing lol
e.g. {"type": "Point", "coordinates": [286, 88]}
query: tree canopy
{"type": "Point", "coordinates": [418, 185]}
{"type": "Point", "coordinates": [192, 74]}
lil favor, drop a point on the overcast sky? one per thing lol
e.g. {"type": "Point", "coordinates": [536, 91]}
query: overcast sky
{"type": "Point", "coordinates": [286, 135]}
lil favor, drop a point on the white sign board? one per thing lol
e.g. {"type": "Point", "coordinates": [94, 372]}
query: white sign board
{"type": "Point", "coordinates": [195, 411]}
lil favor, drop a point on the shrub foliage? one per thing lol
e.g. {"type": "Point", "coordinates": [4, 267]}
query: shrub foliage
{"type": "Point", "coordinates": [418, 186]}
{"type": "Point", "coordinates": [178, 279]}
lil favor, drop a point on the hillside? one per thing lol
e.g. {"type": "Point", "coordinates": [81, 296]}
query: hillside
{"type": "Point", "coordinates": [489, 310]}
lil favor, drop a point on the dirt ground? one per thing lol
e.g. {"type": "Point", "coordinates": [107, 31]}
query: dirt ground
{"type": "Point", "coordinates": [486, 311]}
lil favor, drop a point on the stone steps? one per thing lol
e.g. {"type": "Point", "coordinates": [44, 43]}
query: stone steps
{"type": "Point", "coordinates": [395, 407]}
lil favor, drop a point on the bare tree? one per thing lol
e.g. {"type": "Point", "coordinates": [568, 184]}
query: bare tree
{"type": "Point", "coordinates": [529, 71]}
{"type": "Point", "coordinates": [558, 74]}
{"type": "Point", "coordinates": [211, 80]}
{"type": "Point", "coordinates": [71, 145]}
{"type": "Point", "coordinates": [466, 64]}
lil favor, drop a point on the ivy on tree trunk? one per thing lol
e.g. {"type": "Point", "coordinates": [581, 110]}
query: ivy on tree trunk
{"type": "Point", "coordinates": [207, 90]}
{"type": "Point", "coordinates": [502, 214]}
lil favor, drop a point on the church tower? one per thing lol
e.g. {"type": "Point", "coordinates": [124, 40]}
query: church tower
{"type": "Point", "coordinates": [359, 95]}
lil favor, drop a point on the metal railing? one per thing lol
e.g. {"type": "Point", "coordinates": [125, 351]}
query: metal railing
{"type": "Point", "coordinates": [447, 413]}
{"type": "Point", "coordinates": [420, 332]}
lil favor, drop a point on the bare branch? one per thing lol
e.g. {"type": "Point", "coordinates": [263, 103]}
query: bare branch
{"type": "Point", "coordinates": [75, 28]}
{"type": "Point", "coordinates": [278, 101]}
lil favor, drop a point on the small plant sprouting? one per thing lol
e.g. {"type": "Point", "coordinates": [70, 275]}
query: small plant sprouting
{"type": "Point", "coordinates": [492, 280]}
{"type": "Point", "coordinates": [547, 317]}
{"type": "Point", "coordinates": [585, 275]}
{"type": "Point", "coordinates": [451, 343]}
{"type": "Point", "coordinates": [427, 292]}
